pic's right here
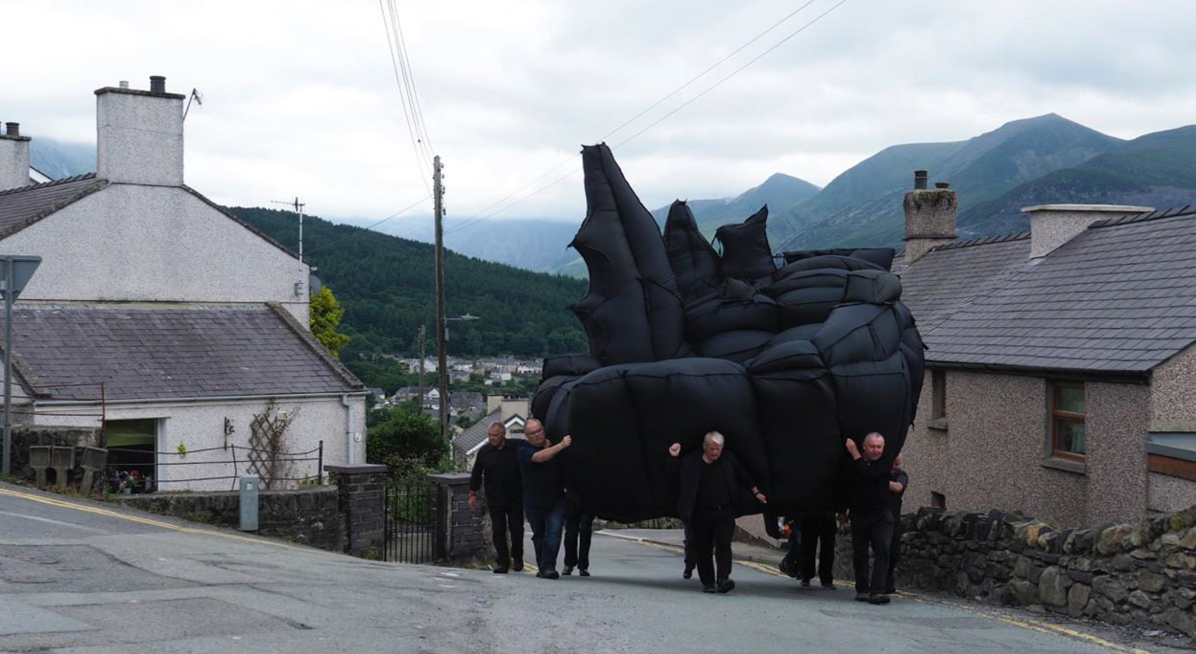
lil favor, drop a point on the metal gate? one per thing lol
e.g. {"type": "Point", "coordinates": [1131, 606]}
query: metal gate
{"type": "Point", "coordinates": [410, 521]}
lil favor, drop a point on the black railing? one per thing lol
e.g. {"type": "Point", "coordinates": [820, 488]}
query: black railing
{"type": "Point", "coordinates": [410, 521]}
{"type": "Point", "coordinates": [120, 472]}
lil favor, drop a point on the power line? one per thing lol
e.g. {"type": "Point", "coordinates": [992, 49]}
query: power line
{"type": "Point", "coordinates": [409, 114]}
{"type": "Point", "coordinates": [477, 218]}
{"type": "Point", "coordinates": [366, 229]}
{"type": "Point", "coordinates": [419, 109]}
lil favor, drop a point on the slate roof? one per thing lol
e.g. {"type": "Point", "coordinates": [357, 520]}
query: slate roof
{"type": "Point", "coordinates": [1119, 298]}
{"type": "Point", "coordinates": [185, 351]}
{"type": "Point", "coordinates": [25, 205]}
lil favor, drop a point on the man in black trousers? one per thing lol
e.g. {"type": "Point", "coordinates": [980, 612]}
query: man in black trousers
{"type": "Point", "coordinates": [579, 532]}
{"type": "Point", "coordinates": [898, 482]}
{"type": "Point", "coordinates": [870, 511]}
{"type": "Point", "coordinates": [499, 466]}
{"type": "Point", "coordinates": [708, 482]}
{"type": "Point", "coordinates": [818, 547]}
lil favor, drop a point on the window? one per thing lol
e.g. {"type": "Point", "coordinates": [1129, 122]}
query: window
{"type": "Point", "coordinates": [938, 381]}
{"type": "Point", "coordinates": [938, 500]}
{"type": "Point", "coordinates": [1067, 420]}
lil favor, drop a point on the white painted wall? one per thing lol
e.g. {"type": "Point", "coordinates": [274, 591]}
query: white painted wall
{"type": "Point", "coordinates": [136, 243]}
{"type": "Point", "coordinates": [200, 425]}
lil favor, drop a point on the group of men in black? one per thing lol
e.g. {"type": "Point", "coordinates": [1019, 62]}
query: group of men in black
{"type": "Point", "coordinates": [527, 480]}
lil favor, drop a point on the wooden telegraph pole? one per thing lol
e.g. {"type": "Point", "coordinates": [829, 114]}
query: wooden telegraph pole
{"type": "Point", "coordinates": [442, 355]}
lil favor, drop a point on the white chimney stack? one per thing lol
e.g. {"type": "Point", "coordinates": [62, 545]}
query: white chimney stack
{"type": "Point", "coordinates": [14, 158]}
{"type": "Point", "coordinates": [1052, 225]}
{"type": "Point", "coordinates": [140, 135]}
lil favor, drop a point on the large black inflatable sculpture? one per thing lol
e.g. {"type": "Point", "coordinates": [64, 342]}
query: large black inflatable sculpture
{"type": "Point", "coordinates": [785, 362]}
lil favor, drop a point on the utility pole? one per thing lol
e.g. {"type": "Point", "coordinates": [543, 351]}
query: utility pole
{"type": "Point", "coordinates": [298, 207]}
{"type": "Point", "coordinates": [441, 325]}
{"type": "Point", "coordinates": [422, 356]}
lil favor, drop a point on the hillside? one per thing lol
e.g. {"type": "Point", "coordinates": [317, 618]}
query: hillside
{"type": "Point", "coordinates": [58, 159]}
{"type": "Point", "coordinates": [386, 286]}
{"type": "Point", "coordinates": [780, 192]}
{"type": "Point", "coordinates": [863, 205]}
{"type": "Point", "coordinates": [1157, 170]}
{"type": "Point", "coordinates": [539, 245]}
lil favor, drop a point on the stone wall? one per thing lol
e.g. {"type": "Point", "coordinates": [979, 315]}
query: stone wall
{"type": "Point", "coordinates": [1141, 574]}
{"type": "Point", "coordinates": [25, 436]}
{"type": "Point", "coordinates": [309, 515]}
{"type": "Point", "coordinates": [460, 532]}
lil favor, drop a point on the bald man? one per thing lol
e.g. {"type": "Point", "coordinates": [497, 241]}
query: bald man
{"type": "Point", "coordinates": [870, 511]}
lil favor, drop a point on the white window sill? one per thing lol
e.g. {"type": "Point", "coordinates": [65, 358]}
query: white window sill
{"type": "Point", "coordinates": [1066, 465]}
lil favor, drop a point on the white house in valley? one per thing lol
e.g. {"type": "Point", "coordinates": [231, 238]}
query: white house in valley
{"type": "Point", "coordinates": [162, 318]}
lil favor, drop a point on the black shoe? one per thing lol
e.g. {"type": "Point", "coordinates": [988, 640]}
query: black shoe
{"type": "Point", "coordinates": [726, 586]}
{"type": "Point", "coordinates": [861, 596]}
{"type": "Point", "coordinates": [878, 598]}
{"type": "Point", "coordinates": [785, 568]}
{"type": "Point", "coordinates": [540, 575]}
{"type": "Point", "coordinates": [568, 571]}
{"type": "Point", "coordinates": [517, 566]}
{"type": "Point", "coordinates": [829, 585]}
{"type": "Point", "coordinates": [500, 571]}
{"type": "Point", "coordinates": [708, 589]}
{"type": "Point", "coordinates": [805, 583]}
{"type": "Point", "coordinates": [689, 572]}
{"type": "Point", "coordinates": [552, 574]}
{"type": "Point", "coordinates": [584, 573]}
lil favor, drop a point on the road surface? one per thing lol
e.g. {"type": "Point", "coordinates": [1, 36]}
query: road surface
{"type": "Point", "coordinates": [84, 578]}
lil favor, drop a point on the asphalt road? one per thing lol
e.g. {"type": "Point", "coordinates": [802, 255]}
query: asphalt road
{"type": "Point", "coordinates": [83, 577]}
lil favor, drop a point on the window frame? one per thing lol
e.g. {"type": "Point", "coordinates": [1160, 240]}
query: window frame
{"type": "Point", "coordinates": [1056, 416]}
{"type": "Point", "coordinates": [938, 394]}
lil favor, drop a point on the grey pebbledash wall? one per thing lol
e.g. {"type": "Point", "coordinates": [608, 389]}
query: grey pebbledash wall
{"type": "Point", "coordinates": [309, 515]}
{"type": "Point", "coordinates": [1141, 574]}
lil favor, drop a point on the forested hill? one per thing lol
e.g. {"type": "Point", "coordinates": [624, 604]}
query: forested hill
{"type": "Point", "coordinates": [386, 286]}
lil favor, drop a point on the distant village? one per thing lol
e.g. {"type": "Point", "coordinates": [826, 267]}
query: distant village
{"type": "Point", "coordinates": [495, 373]}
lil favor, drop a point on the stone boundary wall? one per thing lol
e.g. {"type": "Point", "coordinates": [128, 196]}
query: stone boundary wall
{"type": "Point", "coordinates": [309, 515]}
{"type": "Point", "coordinates": [24, 436]}
{"type": "Point", "coordinates": [1142, 575]}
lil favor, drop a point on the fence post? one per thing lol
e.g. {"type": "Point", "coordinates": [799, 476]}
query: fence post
{"type": "Point", "coordinates": [362, 503]}
{"type": "Point", "coordinates": [320, 466]}
{"type": "Point", "coordinates": [458, 528]}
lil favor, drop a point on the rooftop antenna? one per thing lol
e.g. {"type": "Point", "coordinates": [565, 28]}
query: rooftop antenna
{"type": "Point", "coordinates": [197, 97]}
{"type": "Point", "coordinates": [297, 205]}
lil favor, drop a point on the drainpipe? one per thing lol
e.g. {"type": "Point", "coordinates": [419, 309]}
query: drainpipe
{"type": "Point", "coordinates": [349, 440]}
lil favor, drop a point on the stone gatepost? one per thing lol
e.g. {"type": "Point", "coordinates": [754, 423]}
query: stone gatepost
{"type": "Point", "coordinates": [363, 503]}
{"type": "Point", "coordinates": [459, 531]}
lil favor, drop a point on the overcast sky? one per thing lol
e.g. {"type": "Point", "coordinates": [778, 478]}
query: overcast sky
{"type": "Point", "coordinates": [300, 97]}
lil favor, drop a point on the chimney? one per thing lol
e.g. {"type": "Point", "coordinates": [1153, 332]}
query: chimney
{"type": "Point", "coordinates": [1052, 225]}
{"type": "Point", "coordinates": [14, 158]}
{"type": "Point", "coordinates": [929, 217]}
{"type": "Point", "coordinates": [140, 135]}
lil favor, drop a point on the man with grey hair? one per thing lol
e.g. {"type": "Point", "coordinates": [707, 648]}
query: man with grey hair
{"type": "Point", "coordinates": [870, 511]}
{"type": "Point", "coordinates": [498, 464]}
{"type": "Point", "coordinates": [707, 484]}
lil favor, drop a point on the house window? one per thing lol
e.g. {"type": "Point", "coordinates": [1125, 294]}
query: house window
{"type": "Point", "coordinates": [1067, 420]}
{"type": "Point", "coordinates": [938, 392]}
{"type": "Point", "coordinates": [938, 500]}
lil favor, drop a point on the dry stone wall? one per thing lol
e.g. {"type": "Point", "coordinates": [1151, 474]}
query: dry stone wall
{"type": "Point", "coordinates": [1141, 574]}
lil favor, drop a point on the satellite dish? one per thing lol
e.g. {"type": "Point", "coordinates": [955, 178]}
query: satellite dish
{"type": "Point", "coordinates": [314, 285]}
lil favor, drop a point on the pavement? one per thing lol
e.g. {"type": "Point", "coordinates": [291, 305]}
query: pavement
{"type": "Point", "coordinates": [85, 577]}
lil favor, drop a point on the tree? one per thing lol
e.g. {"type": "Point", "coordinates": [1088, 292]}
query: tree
{"type": "Point", "coordinates": [326, 314]}
{"type": "Point", "coordinates": [409, 435]}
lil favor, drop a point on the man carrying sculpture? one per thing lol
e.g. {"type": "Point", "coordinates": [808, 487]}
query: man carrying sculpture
{"type": "Point", "coordinates": [870, 511]}
{"type": "Point", "coordinates": [708, 481]}
{"type": "Point", "coordinates": [543, 495]}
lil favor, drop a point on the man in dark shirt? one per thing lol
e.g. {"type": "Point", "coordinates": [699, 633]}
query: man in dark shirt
{"type": "Point", "coordinates": [497, 463]}
{"type": "Point", "coordinates": [543, 494]}
{"type": "Point", "coordinates": [870, 510]}
{"type": "Point", "coordinates": [898, 482]}
{"type": "Point", "coordinates": [707, 483]}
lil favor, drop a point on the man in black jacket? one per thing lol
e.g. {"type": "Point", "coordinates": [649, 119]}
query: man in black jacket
{"type": "Point", "coordinates": [497, 463]}
{"type": "Point", "coordinates": [870, 510]}
{"type": "Point", "coordinates": [708, 482]}
{"type": "Point", "coordinates": [898, 482]}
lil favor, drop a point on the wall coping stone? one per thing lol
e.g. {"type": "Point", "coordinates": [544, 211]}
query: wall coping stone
{"type": "Point", "coordinates": [355, 469]}
{"type": "Point", "coordinates": [450, 478]}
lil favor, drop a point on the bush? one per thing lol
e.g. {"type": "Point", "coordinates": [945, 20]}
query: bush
{"type": "Point", "coordinates": [406, 438]}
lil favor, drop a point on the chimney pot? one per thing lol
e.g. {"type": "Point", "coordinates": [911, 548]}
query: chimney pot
{"type": "Point", "coordinates": [124, 84]}
{"type": "Point", "coordinates": [157, 84]}
{"type": "Point", "coordinates": [919, 179]}
{"type": "Point", "coordinates": [14, 129]}
{"type": "Point", "coordinates": [942, 185]}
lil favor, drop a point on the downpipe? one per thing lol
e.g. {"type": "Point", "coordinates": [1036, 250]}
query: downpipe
{"type": "Point", "coordinates": [349, 435]}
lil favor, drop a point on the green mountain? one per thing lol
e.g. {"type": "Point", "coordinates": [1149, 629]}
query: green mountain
{"type": "Point", "coordinates": [1157, 170]}
{"type": "Point", "coordinates": [386, 286]}
{"type": "Point", "coordinates": [862, 206]}
{"type": "Point", "coordinates": [58, 159]}
{"type": "Point", "coordinates": [532, 244]}
{"type": "Point", "coordinates": [780, 192]}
